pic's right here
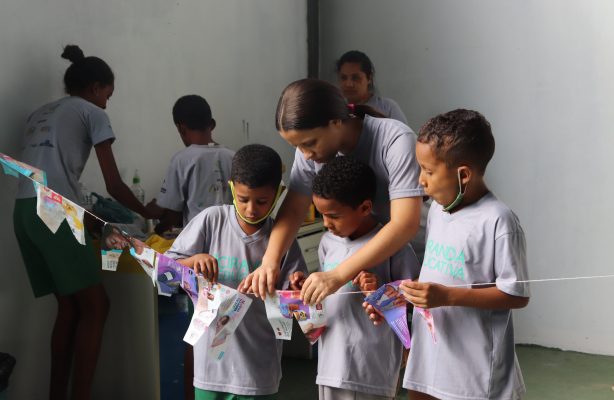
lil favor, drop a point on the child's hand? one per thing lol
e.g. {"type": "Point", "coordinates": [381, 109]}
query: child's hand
{"type": "Point", "coordinates": [296, 280]}
{"type": "Point", "coordinates": [366, 282]}
{"type": "Point", "coordinates": [373, 314]}
{"type": "Point", "coordinates": [425, 294]}
{"type": "Point", "coordinates": [204, 264]}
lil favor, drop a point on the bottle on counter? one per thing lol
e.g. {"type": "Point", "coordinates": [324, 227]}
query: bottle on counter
{"type": "Point", "coordinates": [136, 187]}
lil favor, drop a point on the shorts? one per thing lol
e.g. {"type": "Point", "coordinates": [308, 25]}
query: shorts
{"type": "Point", "coordinates": [56, 263]}
{"type": "Point", "coordinates": [200, 394]}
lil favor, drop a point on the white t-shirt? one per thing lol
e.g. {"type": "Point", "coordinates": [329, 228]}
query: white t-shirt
{"type": "Point", "coordinates": [474, 357]}
{"type": "Point", "coordinates": [389, 148]}
{"type": "Point", "coordinates": [353, 353]}
{"type": "Point", "coordinates": [388, 107]}
{"type": "Point", "coordinates": [252, 363]}
{"type": "Point", "coordinates": [197, 178]}
{"type": "Point", "coordinates": [58, 139]}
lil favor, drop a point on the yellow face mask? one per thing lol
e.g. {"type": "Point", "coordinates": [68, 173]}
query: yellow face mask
{"type": "Point", "coordinates": [280, 190]}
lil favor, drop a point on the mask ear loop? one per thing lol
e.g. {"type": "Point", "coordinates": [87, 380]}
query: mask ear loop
{"type": "Point", "coordinates": [280, 190]}
{"type": "Point", "coordinates": [459, 196]}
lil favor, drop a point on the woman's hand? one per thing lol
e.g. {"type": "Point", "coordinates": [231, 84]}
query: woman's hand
{"type": "Point", "coordinates": [261, 281]}
{"type": "Point", "coordinates": [297, 280]}
{"type": "Point", "coordinates": [319, 285]}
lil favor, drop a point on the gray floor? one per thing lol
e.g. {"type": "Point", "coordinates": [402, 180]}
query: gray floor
{"type": "Point", "coordinates": [549, 374]}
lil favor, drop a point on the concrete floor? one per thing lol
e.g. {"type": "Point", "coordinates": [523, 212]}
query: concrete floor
{"type": "Point", "coordinates": [549, 374]}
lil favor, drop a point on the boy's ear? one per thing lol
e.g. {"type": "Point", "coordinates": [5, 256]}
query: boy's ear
{"type": "Point", "coordinates": [466, 174]}
{"type": "Point", "coordinates": [213, 124]}
{"type": "Point", "coordinates": [365, 208]}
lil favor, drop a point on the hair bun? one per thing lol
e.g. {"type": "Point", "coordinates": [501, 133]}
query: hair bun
{"type": "Point", "coordinates": [73, 53]}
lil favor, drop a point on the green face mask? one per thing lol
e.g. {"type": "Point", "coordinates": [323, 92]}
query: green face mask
{"type": "Point", "coordinates": [459, 196]}
{"type": "Point", "coordinates": [280, 190]}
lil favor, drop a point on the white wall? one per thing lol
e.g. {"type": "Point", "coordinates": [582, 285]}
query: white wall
{"type": "Point", "coordinates": [239, 55]}
{"type": "Point", "coordinates": [541, 72]}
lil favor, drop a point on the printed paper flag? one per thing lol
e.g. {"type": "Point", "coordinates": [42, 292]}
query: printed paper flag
{"type": "Point", "coordinates": [145, 256]}
{"type": "Point", "coordinates": [210, 298]}
{"type": "Point", "coordinates": [430, 322]}
{"type": "Point", "coordinates": [392, 305]}
{"type": "Point", "coordinates": [169, 275]}
{"type": "Point", "coordinates": [74, 217]}
{"type": "Point", "coordinates": [9, 171]}
{"type": "Point", "coordinates": [281, 324]}
{"type": "Point", "coordinates": [229, 315]}
{"type": "Point", "coordinates": [49, 207]}
{"type": "Point", "coordinates": [22, 168]}
{"type": "Point", "coordinates": [311, 318]}
{"type": "Point", "coordinates": [110, 259]}
{"type": "Point", "coordinates": [189, 283]}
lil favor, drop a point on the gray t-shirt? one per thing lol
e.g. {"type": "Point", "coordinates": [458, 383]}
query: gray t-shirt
{"type": "Point", "coordinates": [354, 354]}
{"type": "Point", "coordinates": [388, 107]}
{"type": "Point", "coordinates": [474, 356]}
{"type": "Point", "coordinates": [58, 139]}
{"type": "Point", "coordinates": [197, 178]}
{"type": "Point", "coordinates": [389, 148]}
{"type": "Point", "coordinates": [252, 363]}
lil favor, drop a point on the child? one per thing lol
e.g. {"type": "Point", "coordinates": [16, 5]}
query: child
{"type": "Point", "coordinates": [197, 175]}
{"type": "Point", "coordinates": [356, 360]}
{"type": "Point", "coordinates": [225, 244]}
{"type": "Point", "coordinates": [472, 237]}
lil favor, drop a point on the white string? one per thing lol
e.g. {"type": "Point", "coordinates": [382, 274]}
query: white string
{"type": "Point", "coordinates": [574, 278]}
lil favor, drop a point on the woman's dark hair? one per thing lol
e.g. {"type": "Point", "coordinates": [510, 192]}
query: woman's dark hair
{"type": "Point", "coordinates": [460, 136]}
{"type": "Point", "coordinates": [313, 103]}
{"type": "Point", "coordinates": [358, 57]}
{"type": "Point", "coordinates": [84, 71]}
{"type": "Point", "coordinates": [345, 180]}
{"type": "Point", "coordinates": [193, 111]}
{"type": "Point", "coordinates": [256, 165]}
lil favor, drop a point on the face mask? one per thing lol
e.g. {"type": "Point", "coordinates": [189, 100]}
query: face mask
{"type": "Point", "coordinates": [459, 196]}
{"type": "Point", "coordinates": [280, 190]}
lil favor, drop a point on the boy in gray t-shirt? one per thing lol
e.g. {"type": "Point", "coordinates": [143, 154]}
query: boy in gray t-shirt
{"type": "Point", "coordinates": [197, 175]}
{"type": "Point", "coordinates": [355, 359]}
{"type": "Point", "coordinates": [472, 239]}
{"type": "Point", "coordinates": [225, 244]}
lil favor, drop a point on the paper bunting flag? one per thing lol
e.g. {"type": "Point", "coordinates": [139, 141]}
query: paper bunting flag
{"type": "Point", "coordinates": [229, 315]}
{"type": "Point", "coordinates": [9, 163]}
{"type": "Point", "coordinates": [110, 259]}
{"type": "Point", "coordinates": [430, 322]}
{"type": "Point", "coordinates": [311, 318]}
{"type": "Point", "coordinates": [169, 275]}
{"type": "Point", "coordinates": [281, 324]}
{"type": "Point", "coordinates": [392, 305]}
{"type": "Point", "coordinates": [9, 171]}
{"type": "Point", "coordinates": [210, 298]}
{"type": "Point", "coordinates": [74, 217]}
{"type": "Point", "coordinates": [189, 283]}
{"type": "Point", "coordinates": [49, 207]}
{"type": "Point", "coordinates": [145, 256]}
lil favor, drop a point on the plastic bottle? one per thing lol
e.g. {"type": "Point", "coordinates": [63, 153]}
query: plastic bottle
{"type": "Point", "coordinates": [136, 187]}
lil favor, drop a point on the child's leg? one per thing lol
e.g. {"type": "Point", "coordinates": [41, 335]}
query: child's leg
{"type": "Point", "coordinates": [62, 340]}
{"type": "Point", "coordinates": [413, 395]}
{"type": "Point", "coordinates": [93, 305]}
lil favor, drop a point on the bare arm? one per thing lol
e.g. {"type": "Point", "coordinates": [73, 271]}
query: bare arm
{"type": "Point", "coordinates": [403, 225]}
{"type": "Point", "coordinates": [113, 181]}
{"type": "Point", "coordinates": [431, 295]}
{"type": "Point", "coordinates": [290, 217]}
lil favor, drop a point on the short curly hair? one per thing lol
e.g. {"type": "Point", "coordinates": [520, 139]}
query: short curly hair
{"type": "Point", "coordinates": [460, 137]}
{"type": "Point", "coordinates": [256, 165]}
{"type": "Point", "coordinates": [345, 180]}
